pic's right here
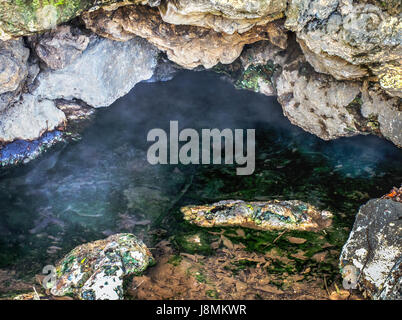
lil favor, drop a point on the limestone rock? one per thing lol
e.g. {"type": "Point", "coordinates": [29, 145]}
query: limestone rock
{"type": "Point", "coordinates": [75, 110]}
{"type": "Point", "coordinates": [235, 9]}
{"type": "Point", "coordinates": [261, 53]}
{"type": "Point", "coordinates": [59, 47]}
{"type": "Point", "coordinates": [345, 35]}
{"type": "Point", "coordinates": [316, 102]}
{"type": "Point", "coordinates": [8, 98]}
{"type": "Point", "coordinates": [13, 64]}
{"type": "Point", "coordinates": [269, 215]}
{"type": "Point", "coordinates": [222, 15]}
{"type": "Point", "coordinates": [29, 118]}
{"type": "Point", "coordinates": [104, 72]}
{"type": "Point", "coordinates": [390, 77]}
{"type": "Point", "coordinates": [21, 18]}
{"type": "Point", "coordinates": [95, 270]}
{"type": "Point", "coordinates": [361, 33]}
{"type": "Point", "coordinates": [337, 67]}
{"type": "Point", "coordinates": [374, 249]}
{"type": "Point", "coordinates": [188, 46]}
{"type": "Point", "coordinates": [384, 110]}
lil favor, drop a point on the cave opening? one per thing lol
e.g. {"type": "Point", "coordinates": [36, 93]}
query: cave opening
{"type": "Point", "coordinates": [102, 183]}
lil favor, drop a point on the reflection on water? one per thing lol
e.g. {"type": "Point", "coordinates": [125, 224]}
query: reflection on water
{"type": "Point", "coordinates": [103, 184]}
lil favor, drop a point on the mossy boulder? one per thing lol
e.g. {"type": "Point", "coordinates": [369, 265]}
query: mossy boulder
{"type": "Point", "coordinates": [25, 17]}
{"type": "Point", "coordinates": [95, 270]}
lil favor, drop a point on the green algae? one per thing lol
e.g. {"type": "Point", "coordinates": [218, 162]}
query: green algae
{"type": "Point", "coordinates": [175, 260]}
{"type": "Point", "coordinates": [370, 124]}
{"type": "Point", "coordinates": [212, 294]}
{"type": "Point", "coordinates": [251, 77]}
{"type": "Point", "coordinates": [24, 17]}
{"type": "Point", "coordinates": [198, 242]}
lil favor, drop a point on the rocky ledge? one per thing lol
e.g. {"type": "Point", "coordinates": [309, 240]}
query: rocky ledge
{"type": "Point", "coordinates": [335, 65]}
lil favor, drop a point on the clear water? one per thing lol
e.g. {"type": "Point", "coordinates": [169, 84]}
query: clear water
{"type": "Point", "coordinates": [102, 184]}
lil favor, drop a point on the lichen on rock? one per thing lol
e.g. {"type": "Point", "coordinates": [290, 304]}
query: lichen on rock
{"type": "Point", "coordinates": [374, 248]}
{"type": "Point", "coordinates": [95, 270]}
{"type": "Point", "coordinates": [359, 32]}
{"type": "Point", "coordinates": [269, 215]}
{"type": "Point", "coordinates": [26, 17]}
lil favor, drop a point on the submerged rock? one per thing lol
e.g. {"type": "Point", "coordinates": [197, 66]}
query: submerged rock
{"type": "Point", "coordinates": [374, 249]}
{"type": "Point", "coordinates": [104, 72]}
{"type": "Point", "coordinates": [95, 270]}
{"type": "Point", "coordinates": [188, 46]}
{"type": "Point", "coordinates": [269, 215]}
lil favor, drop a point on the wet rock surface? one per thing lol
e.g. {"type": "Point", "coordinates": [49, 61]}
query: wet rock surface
{"type": "Point", "coordinates": [22, 151]}
{"type": "Point", "coordinates": [291, 215]}
{"type": "Point", "coordinates": [95, 270]}
{"type": "Point", "coordinates": [374, 248]}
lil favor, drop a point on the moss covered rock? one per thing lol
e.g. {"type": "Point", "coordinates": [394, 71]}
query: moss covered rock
{"type": "Point", "coordinates": [268, 215]}
{"type": "Point", "coordinates": [95, 270]}
{"type": "Point", "coordinates": [24, 17]}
